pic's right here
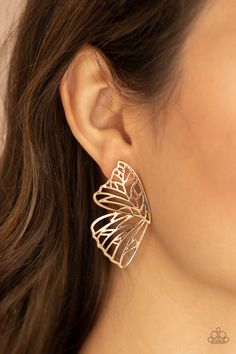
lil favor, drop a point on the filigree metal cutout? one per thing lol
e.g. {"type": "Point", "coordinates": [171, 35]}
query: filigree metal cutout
{"type": "Point", "coordinates": [119, 234]}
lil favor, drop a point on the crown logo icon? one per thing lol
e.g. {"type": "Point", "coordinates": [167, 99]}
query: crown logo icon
{"type": "Point", "coordinates": [218, 337]}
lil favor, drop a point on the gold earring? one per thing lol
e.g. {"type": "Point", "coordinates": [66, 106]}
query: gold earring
{"type": "Point", "coordinates": [119, 234]}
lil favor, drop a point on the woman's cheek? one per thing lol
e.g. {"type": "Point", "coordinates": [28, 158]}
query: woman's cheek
{"type": "Point", "coordinates": [208, 107]}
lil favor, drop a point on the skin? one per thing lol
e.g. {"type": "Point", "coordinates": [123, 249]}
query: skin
{"type": "Point", "coordinates": [181, 284]}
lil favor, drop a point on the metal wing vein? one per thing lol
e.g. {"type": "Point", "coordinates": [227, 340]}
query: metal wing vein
{"type": "Point", "coordinates": [119, 234]}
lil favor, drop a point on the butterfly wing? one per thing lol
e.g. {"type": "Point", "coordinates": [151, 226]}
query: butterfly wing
{"type": "Point", "coordinates": [121, 231]}
{"type": "Point", "coordinates": [119, 236]}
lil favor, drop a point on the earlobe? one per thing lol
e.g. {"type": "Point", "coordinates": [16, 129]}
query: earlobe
{"type": "Point", "coordinates": [93, 113]}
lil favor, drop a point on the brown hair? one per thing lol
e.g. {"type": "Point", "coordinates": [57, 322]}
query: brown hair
{"type": "Point", "coordinates": [53, 278]}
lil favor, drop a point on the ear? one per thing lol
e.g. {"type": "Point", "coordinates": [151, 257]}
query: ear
{"type": "Point", "coordinates": [94, 111]}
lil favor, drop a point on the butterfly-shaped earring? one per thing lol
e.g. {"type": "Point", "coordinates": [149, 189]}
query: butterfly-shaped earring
{"type": "Point", "coordinates": [119, 233]}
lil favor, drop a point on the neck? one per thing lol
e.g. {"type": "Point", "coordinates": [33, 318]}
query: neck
{"type": "Point", "coordinates": [155, 306]}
